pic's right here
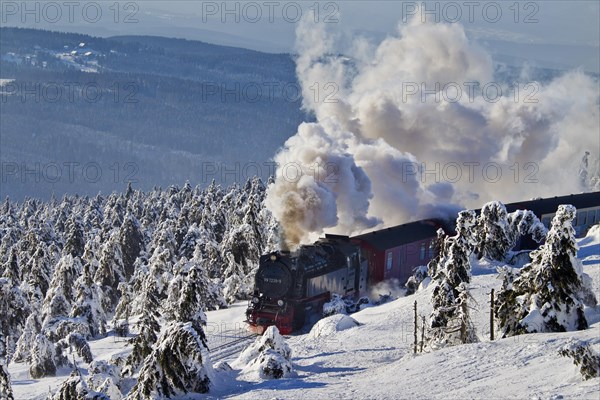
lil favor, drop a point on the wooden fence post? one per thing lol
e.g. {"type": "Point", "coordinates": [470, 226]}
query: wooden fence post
{"type": "Point", "coordinates": [416, 327]}
{"type": "Point", "coordinates": [492, 315]}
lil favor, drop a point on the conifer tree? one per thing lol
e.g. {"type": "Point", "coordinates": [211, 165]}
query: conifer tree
{"type": "Point", "coordinates": [449, 320]}
{"type": "Point", "coordinates": [61, 293]}
{"type": "Point", "coordinates": [546, 296]}
{"type": "Point", "coordinates": [178, 365]}
{"type": "Point", "coordinates": [523, 223]}
{"type": "Point", "coordinates": [88, 304]}
{"type": "Point", "coordinates": [11, 267]}
{"type": "Point", "coordinates": [14, 310]}
{"type": "Point", "coordinates": [111, 272]}
{"type": "Point", "coordinates": [438, 252]}
{"type": "Point", "coordinates": [75, 388]}
{"type": "Point", "coordinates": [33, 326]}
{"type": "Point", "coordinates": [6, 392]}
{"type": "Point", "coordinates": [493, 237]}
{"type": "Point", "coordinates": [148, 328]}
{"type": "Point", "coordinates": [75, 242]}
{"type": "Point", "coordinates": [42, 358]}
{"type": "Point", "coordinates": [131, 241]}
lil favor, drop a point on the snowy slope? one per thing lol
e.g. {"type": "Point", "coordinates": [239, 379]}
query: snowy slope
{"type": "Point", "coordinates": [374, 360]}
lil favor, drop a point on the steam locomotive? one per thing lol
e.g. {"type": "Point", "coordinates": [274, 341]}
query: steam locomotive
{"type": "Point", "coordinates": [290, 287]}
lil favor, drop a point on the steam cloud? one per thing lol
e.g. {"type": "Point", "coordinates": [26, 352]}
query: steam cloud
{"type": "Point", "coordinates": [376, 155]}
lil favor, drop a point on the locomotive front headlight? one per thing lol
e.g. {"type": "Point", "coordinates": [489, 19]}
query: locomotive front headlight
{"type": "Point", "coordinates": [255, 300]}
{"type": "Point", "coordinates": [273, 257]}
{"type": "Point", "coordinates": [280, 303]}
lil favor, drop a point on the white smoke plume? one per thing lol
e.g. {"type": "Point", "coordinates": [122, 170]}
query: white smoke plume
{"type": "Point", "coordinates": [387, 155]}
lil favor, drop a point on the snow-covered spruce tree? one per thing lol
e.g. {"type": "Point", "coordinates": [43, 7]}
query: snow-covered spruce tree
{"type": "Point", "coordinates": [161, 261]}
{"type": "Point", "coordinates": [179, 364]}
{"type": "Point", "coordinates": [148, 328]}
{"type": "Point", "coordinates": [75, 242]}
{"type": "Point", "coordinates": [523, 223]}
{"type": "Point", "coordinates": [123, 310]}
{"type": "Point", "coordinates": [413, 282]}
{"type": "Point", "coordinates": [189, 241]}
{"type": "Point", "coordinates": [77, 342]}
{"type": "Point", "coordinates": [546, 296]}
{"type": "Point", "coordinates": [6, 392]}
{"type": "Point", "coordinates": [111, 272]}
{"type": "Point", "coordinates": [192, 297]}
{"type": "Point", "coordinates": [40, 272]}
{"type": "Point", "coordinates": [14, 310]}
{"type": "Point", "coordinates": [104, 377]}
{"type": "Point", "coordinates": [449, 321]}
{"type": "Point", "coordinates": [42, 358]}
{"type": "Point", "coordinates": [61, 293]}
{"type": "Point", "coordinates": [584, 356]}
{"type": "Point", "coordinates": [241, 249]}
{"type": "Point", "coordinates": [493, 235]}
{"type": "Point", "coordinates": [75, 388]}
{"type": "Point", "coordinates": [438, 252]}
{"type": "Point", "coordinates": [131, 240]}
{"type": "Point", "coordinates": [88, 304]}
{"type": "Point", "coordinates": [11, 268]}
{"type": "Point", "coordinates": [33, 326]}
{"type": "Point", "coordinates": [269, 357]}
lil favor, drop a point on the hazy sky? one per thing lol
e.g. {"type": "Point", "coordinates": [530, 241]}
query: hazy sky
{"type": "Point", "coordinates": [554, 33]}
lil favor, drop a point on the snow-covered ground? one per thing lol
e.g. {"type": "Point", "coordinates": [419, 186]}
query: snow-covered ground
{"type": "Point", "coordinates": [374, 360]}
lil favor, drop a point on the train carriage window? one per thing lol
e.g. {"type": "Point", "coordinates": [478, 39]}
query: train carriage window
{"type": "Point", "coordinates": [592, 217]}
{"type": "Point", "coordinates": [389, 260]}
{"type": "Point", "coordinates": [422, 251]}
{"type": "Point", "coordinates": [581, 218]}
{"type": "Point", "coordinates": [431, 249]}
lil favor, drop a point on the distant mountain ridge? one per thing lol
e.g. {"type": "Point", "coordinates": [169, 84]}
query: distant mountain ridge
{"type": "Point", "coordinates": [155, 110]}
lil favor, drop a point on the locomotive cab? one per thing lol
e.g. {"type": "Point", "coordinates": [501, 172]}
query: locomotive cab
{"type": "Point", "coordinates": [289, 287]}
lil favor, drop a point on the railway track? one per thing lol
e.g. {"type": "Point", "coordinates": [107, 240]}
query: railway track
{"type": "Point", "coordinates": [235, 342]}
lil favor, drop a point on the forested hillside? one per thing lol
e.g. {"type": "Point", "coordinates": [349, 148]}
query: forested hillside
{"type": "Point", "coordinates": [72, 267]}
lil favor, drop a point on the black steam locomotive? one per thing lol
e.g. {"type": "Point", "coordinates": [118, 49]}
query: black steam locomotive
{"type": "Point", "coordinates": [290, 287]}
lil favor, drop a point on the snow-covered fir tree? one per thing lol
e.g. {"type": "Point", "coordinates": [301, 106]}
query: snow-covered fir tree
{"type": "Point", "coordinates": [179, 364]}
{"type": "Point", "coordinates": [104, 377]}
{"type": "Point", "coordinates": [438, 252]}
{"type": "Point", "coordinates": [61, 293]}
{"type": "Point", "coordinates": [42, 358]}
{"type": "Point", "coordinates": [131, 241]}
{"type": "Point", "coordinates": [75, 388]}
{"type": "Point", "coordinates": [79, 344]}
{"type": "Point", "coordinates": [493, 235]}
{"type": "Point", "coordinates": [110, 272]}
{"type": "Point", "coordinates": [547, 294]}
{"type": "Point", "coordinates": [11, 268]}
{"type": "Point", "coordinates": [449, 321]}
{"type": "Point", "coordinates": [14, 310]}
{"type": "Point", "coordinates": [148, 328]}
{"type": "Point", "coordinates": [6, 392]}
{"type": "Point", "coordinates": [88, 304]}
{"type": "Point", "coordinates": [33, 326]}
{"type": "Point", "coordinates": [524, 223]}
